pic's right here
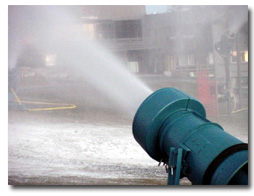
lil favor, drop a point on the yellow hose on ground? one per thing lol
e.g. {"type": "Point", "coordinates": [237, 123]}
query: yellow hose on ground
{"type": "Point", "coordinates": [16, 97]}
{"type": "Point", "coordinates": [64, 105]}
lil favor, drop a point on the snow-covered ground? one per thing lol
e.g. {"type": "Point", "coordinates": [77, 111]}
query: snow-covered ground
{"type": "Point", "coordinates": [42, 152]}
{"type": "Point", "coordinates": [83, 147]}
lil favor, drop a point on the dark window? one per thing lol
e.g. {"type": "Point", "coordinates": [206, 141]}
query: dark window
{"type": "Point", "coordinates": [128, 29]}
{"type": "Point", "coordinates": [105, 31]}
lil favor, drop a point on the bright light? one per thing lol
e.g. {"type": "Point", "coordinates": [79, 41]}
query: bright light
{"type": "Point", "coordinates": [234, 53]}
{"type": "Point", "coordinates": [246, 56]}
{"type": "Point", "coordinates": [50, 60]}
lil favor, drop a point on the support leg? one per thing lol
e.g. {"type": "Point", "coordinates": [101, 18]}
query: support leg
{"type": "Point", "coordinates": [175, 164]}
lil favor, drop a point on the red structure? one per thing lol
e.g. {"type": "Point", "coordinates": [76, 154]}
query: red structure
{"type": "Point", "coordinates": [207, 94]}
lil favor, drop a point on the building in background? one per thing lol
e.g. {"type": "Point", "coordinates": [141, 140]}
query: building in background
{"type": "Point", "coordinates": [173, 43]}
{"type": "Point", "coordinates": [179, 42]}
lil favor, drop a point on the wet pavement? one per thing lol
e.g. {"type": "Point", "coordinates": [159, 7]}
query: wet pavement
{"type": "Point", "coordinates": [86, 145]}
{"type": "Point", "coordinates": [46, 149]}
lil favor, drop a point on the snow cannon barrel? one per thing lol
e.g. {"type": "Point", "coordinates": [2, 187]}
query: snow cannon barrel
{"type": "Point", "coordinates": [171, 126]}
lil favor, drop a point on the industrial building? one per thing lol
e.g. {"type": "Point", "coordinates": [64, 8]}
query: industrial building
{"type": "Point", "coordinates": [177, 45]}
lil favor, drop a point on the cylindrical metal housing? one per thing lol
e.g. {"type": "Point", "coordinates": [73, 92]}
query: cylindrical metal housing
{"type": "Point", "coordinates": [171, 118]}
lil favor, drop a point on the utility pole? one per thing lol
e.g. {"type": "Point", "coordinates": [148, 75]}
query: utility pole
{"type": "Point", "coordinates": [224, 48]}
{"type": "Point", "coordinates": [228, 85]}
{"type": "Point", "coordinates": [239, 77]}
